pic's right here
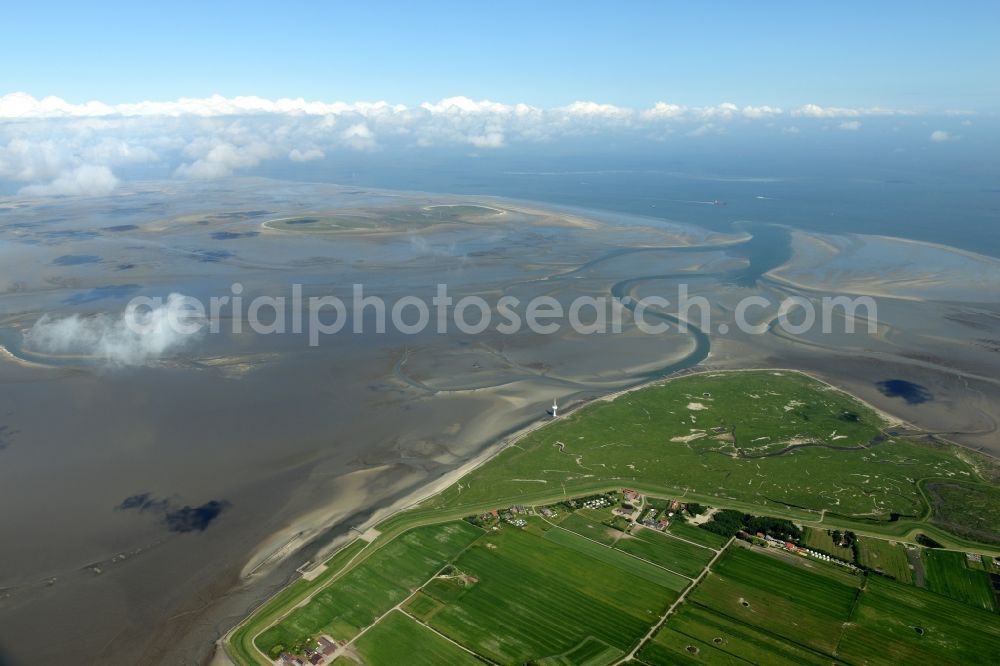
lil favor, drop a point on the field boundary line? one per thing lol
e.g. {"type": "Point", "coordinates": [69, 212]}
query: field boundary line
{"type": "Point", "coordinates": [604, 545]}
{"type": "Point", "coordinates": [666, 615]}
{"type": "Point", "coordinates": [450, 640]}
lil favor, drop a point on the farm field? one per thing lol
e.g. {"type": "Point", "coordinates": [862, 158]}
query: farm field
{"type": "Point", "coordinates": [880, 622]}
{"type": "Point", "coordinates": [618, 559]}
{"type": "Point", "coordinates": [676, 555]}
{"type": "Point", "coordinates": [718, 640]}
{"type": "Point", "coordinates": [792, 418]}
{"type": "Point", "coordinates": [948, 574]}
{"type": "Point", "coordinates": [801, 605]}
{"type": "Point", "coordinates": [591, 652]}
{"type": "Point", "coordinates": [421, 605]}
{"type": "Point", "coordinates": [355, 600]}
{"type": "Point", "coordinates": [592, 529]}
{"type": "Point", "coordinates": [696, 534]}
{"type": "Point", "coordinates": [885, 556]}
{"type": "Point", "coordinates": [902, 624]}
{"type": "Point", "coordinates": [819, 539]}
{"type": "Point", "coordinates": [398, 639]}
{"type": "Point", "coordinates": [548, 598]}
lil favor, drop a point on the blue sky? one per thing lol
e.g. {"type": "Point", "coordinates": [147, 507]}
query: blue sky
{"type": "Point", "coordinates": [896, 54]}
{"type": "Point", "coordinates": [91, 97]}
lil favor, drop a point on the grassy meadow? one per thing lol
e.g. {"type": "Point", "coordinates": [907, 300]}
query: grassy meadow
{"type": "Point", "coordinates": [886, 557]}
{"type": "Point", "coordinates": [769, 440]}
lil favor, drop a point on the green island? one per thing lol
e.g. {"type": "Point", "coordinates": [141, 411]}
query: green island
{"type": "Point", "coordinates": [758, 516]}
{"type": "Point", "coordinates": [384, 220]}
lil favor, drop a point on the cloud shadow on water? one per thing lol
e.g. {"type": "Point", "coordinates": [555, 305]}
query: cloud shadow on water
{"type": "Point", "coordinates": [179, 519]}
{"type": "Point", "coordinates": [913, 394]}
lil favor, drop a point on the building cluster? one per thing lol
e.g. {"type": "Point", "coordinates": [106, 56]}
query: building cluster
{"type": "Point", "coordinates": [791, 547]}
{"type": "Point", "coordinates": [491, 519]}
{"type": "Point", "coordinates": [511, 515]}
{"type": "Point", "coordinates": [317, 654]}
{"type": "Point", "coordinates": [597, 503]}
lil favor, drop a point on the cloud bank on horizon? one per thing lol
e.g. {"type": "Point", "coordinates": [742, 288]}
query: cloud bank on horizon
{"type": "Point", "coordinates": [51, 147]}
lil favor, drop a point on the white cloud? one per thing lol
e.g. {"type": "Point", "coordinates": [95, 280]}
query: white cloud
{"type": "Point", "coordinates": [663, 111]}
{"type": "Point", "coordinates": [816, 111]}
{"type": "Point", "coordinates": [468, 106]}
{"type": "Point", "coordinates": [359, 137]}
{"type": "Point", "coordinates": [593, 109]}
{"type": "Point", "coordinates": [850, 125]}
{"type": "Point", "coordinates": [133, 338]}
{"type": "Point", "coordinates": [217, 159]}
{"type": "Point", "coordinates": [306, 155]}
{"type": "Point", "coordinates": [51, 145]}
{"type": "Point", "coordinates": [86, 180]}
{"type": "Point", "coordinates": [490, 140]}
{"type": "Point", "coordinates": [940, 136]}
{"type": "Point", "coordinates": [760, 111]}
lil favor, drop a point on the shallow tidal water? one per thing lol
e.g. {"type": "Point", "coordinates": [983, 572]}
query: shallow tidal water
{"type": "Point", "coordinates": [134, 496]}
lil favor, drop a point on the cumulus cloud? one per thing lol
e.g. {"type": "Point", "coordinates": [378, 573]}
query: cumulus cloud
{"type": "Point", "coordinates": [217, 159]}
{"type": "Point", "coordinates": [359, 137]}
{"type": "Point", "coordinates": [940, 136]}
{"type": "Point", "coordinates": [850, 125]}
{"type": "Point", "coordinates": [663, 111]}
{"type": "Point", "coordinates": [135, 337]}
{"type": "Point", "coordinates": [52, 146]}
{"type": "Point", "coordinates": [760, 111]}
{"type": "Point", "coordinates": [816, 111]}
{"type": "Point", "coordinates": [84, 180]}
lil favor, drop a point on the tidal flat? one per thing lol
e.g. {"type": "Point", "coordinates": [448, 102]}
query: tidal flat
{"type": "Point", "coordinates": [153, 504]}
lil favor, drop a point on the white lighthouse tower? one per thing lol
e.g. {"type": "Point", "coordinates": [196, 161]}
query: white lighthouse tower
{"type": "Point", "coordinates": [555, 408]}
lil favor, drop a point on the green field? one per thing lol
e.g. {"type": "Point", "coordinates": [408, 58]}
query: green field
{"type": "Point", "coordinates": [820, 539]}
{"type": "Point", "coordinates": [902, 624]}
{"type": "Point", "coordinates": [818, 615]}
{"type": "Point", "coordinates": [398, 639]}
{"type": "Point", "coordinates": [696, 534]}
{"type": "Point", "coordinates": [800, 602]}
{"type": "Point", "coordinates": [548, 599]}
{"type": "Point", "coordinates": [889, 558]}
{"type": "Point", "coordinates": [592, 529]}
{"type": "Point", "coordinates": [356, 599]}
{"type": "Point", "coordinates": [948, 574]}
{"type": "Point", "coordinates": [635, 439]}
{"type": "Point", "coordinates": [619, 559]}
{"type": "Point", "coordinates": [421, 605]}
{"type": "Point", "coordinates": [674, 554]}
{"type": "Point", "coordinates": [720, 640]}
